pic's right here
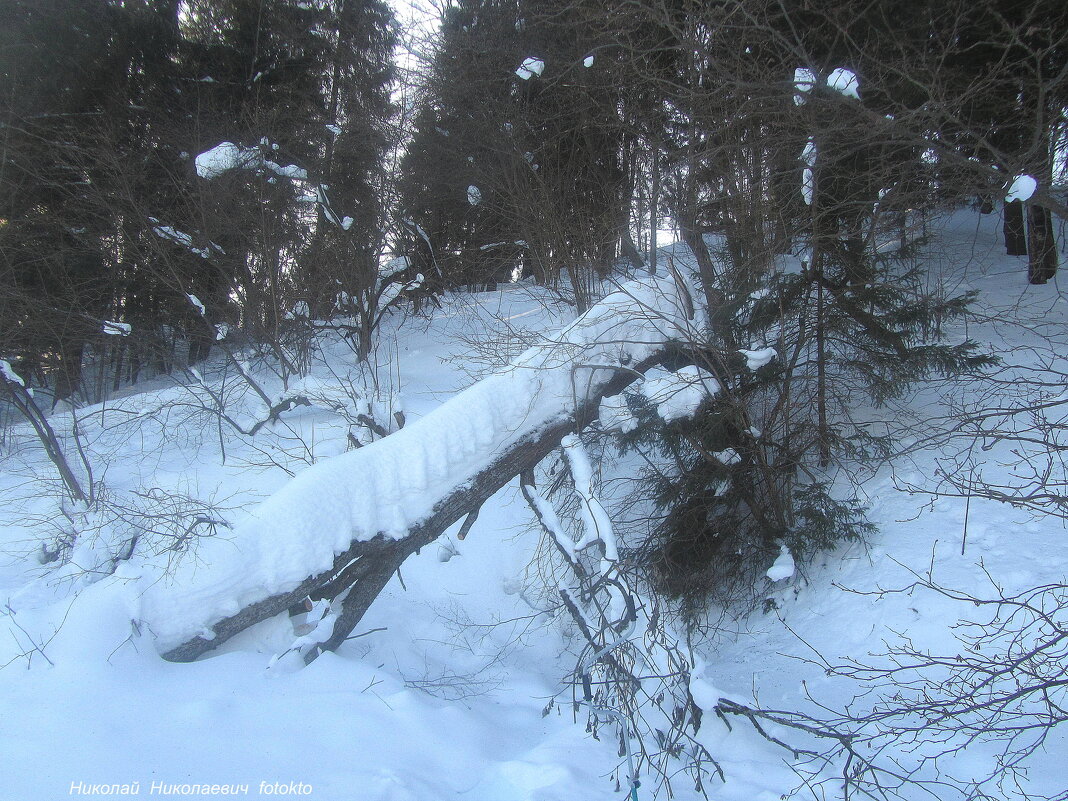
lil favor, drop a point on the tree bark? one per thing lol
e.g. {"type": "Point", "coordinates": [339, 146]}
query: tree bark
{"type": "Point", "coordinates": [1041, 245]}
{"type": "Point", "coordinates": [630, 250]}
{"type": "Point", "coordinates": [27, 406]}
{"type": "Point", "coordinates": [1013, 229]}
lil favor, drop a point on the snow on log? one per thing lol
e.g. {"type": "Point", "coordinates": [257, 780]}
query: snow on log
{"type": "Point", "coordinates": [365, 511]}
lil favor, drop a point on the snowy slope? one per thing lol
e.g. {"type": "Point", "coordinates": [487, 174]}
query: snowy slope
{"type": "Point", "coordinates": [441, 693]}
{"type": "Point", "coordinates": [855, 604]}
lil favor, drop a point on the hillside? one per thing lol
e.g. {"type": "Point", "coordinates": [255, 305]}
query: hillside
{"type": "Point", "coordinates": [441, 692]}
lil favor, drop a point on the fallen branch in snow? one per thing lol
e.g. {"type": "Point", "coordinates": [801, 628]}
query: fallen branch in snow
{"type": "Point", "coordinates": [998, 688]}
{"type": "Point", "coordinates": [368, 565]}
{"type": "Point", "coordinates": [372, 508]}
{"type": "Point", "coordinates": [35, 647]}
{"type": "Point", "coordinates": [633, 671]}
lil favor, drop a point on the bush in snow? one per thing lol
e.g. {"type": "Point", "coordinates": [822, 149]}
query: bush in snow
{"type": "Point", "coordinates": [754, 465]}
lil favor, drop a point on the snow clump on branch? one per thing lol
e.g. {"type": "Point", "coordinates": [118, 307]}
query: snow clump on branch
{"type": "Point", "coordinates": [1023, 186]}
{"type": "Point", "coordinates": [840, 80]}
{"type": "Point", "coordinates": [530, 67]}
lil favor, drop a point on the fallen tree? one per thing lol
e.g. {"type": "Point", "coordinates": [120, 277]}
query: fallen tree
{"type": "Point", "coordinates": [342, 528]}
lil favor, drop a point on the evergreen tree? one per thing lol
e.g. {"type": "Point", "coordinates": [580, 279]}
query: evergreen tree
{"type": "Point", "coordinates": [464, 137]}
{"type": "Point", "coordinates": [74, 77]}
{"type": "Point", "coordinates": [106, 106]}
{"type": "Point", "coordinates": [517, 107]}
{"type": "Point", "coordinates": [306, 86]}
{"type": "Point", "coordinates": [350, 163]}
{"type": "Point", "coordinates": [573, 202]}
{"type": "Point", "coordinates": [762, 103]}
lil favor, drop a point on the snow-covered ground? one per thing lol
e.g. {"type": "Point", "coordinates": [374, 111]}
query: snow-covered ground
{"type": "Point", "coordinates": [441, 692]}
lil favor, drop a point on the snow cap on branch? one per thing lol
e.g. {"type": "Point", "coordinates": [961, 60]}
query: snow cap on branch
{"type": "Point", "coordinates": [844, 82]}
{"type": "Point", "coordinates": [530, 67]}
{"type": "Point", "coordinates": [755, 359]}
{"type": "Point", "coordinates": [677, 395]}
{"type": "Point", "coordinates": [783, 567]}
{"type": "Point", "coordinates": [1023, 186]}
{"type": "Point", "coordinates": [114, 329]}
{"type": "Point", "coordinates": [8, 372]}
{"type": "Point", "coordinates": [840, 80]}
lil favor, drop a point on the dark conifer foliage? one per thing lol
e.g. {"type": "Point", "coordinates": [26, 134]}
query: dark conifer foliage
{"type": "Point", "coordinates": [463, 137]}
{"type": "Point", "coordinates": [77, 80]}
{"type": "Point", "coordinates": [351, 152]}
{"type": "Point", "coordinates": [517, 105]}
{"type": "Point", "coordinates": [105, 107]}
{"type": "Point", "coordinates": [761, 145]}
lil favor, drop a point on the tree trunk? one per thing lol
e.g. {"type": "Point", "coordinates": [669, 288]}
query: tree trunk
{"type": "Point", "coordinates": [823, 428]}
{"type": "Point", "coordinates": [1013, 229]}
{"type": "Point", "coordinates": [654, 206]}
{"type": "Point", "coordinates": [629, 249]}
{"type": "Point", "coordinates": [69, 374]}
{"type": "Point", "coordinates": [199, 347]}
{"type": "Point", "coordinates": [27, 406]}
{"type": "Point", "coordinates": [1042, 245]}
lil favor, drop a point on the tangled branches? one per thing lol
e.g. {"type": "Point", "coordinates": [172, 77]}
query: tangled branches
{"type": "Point", "coordinates": [632, 671]}
{"type": "Point", "coordinates": [998, 694]}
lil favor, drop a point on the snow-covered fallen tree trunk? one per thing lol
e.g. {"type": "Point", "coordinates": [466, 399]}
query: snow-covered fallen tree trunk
{"type": "Point", "coordinates": [349, 522]}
